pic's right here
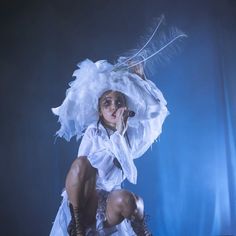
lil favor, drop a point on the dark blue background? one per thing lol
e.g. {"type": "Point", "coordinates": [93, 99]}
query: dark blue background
{"type": "Point", "coordinates": [188, 177]}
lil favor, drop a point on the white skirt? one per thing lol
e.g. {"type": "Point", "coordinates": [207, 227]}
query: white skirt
{"type": "Point", "coordinates": [63, 219]}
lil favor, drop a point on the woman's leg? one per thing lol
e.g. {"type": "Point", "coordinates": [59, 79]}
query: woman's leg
{"type": "Point", "coordinates": [124, 204]}
{"type": "Point", "coordinates": [120, 204]}
{"type": "Point", "coordinates": [79, 180]}
{"type": "Point", "coordinates": [80, 184]}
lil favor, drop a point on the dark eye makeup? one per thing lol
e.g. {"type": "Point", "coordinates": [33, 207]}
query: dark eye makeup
{"type": "Point", "coordinates": [107, 102]}
{"type": "Point", "coordinates": [119, 103]}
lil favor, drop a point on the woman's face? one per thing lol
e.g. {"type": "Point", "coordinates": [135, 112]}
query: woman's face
{"type": "Point", "coordinates": [109, 103]}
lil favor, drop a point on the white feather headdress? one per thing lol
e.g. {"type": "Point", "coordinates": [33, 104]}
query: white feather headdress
{"type": "Point", "coordinates": [80, 107]}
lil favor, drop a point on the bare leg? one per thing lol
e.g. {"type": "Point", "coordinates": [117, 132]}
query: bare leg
{"type": "Point", "coordinates": [80, 184]}
{"type": "Point", "coordinates": [79, 180]}
{"type": "Point", "coordinates": [91, 207]}
{"type": "Point", "coordinates": [124, 204]}
{"type": "Point", "coordinates": [120, 204]}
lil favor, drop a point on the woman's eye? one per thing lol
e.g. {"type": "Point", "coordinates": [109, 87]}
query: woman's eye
{"type": "Point", "coordinates": [119, 103]}
{"type": "Point", "coordinates": [106, 103]}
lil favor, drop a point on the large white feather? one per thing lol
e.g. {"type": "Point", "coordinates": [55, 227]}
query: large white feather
{"type": "Point", "coordinates": [159, 45]}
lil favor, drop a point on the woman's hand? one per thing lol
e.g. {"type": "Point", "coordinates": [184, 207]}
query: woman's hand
{"type": "Point", "coordinates": [121, 120]}
{"type": "Point", "coordinates": [138, 70]}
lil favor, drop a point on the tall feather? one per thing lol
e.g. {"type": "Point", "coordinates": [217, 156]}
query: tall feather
{"type": "Point", "coordinates": [163, 47]}
{"type": "Point", "coordinates": [160, 20]}
{"type": "Point", "coordinates": [159, 45]}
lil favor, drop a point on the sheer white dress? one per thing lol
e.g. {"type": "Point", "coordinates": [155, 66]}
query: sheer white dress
{"type": "Point", "coordinates": [101, 148]}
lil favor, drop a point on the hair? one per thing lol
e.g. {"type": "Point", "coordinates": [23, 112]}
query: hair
{"type": "Point", "coordinates": [99, 107]}
{"type": "Point", "coordinates": [100, 120]}
{"type": "Point", "coordinates": [99, 100]}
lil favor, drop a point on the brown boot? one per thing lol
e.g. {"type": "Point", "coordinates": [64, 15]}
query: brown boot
{"type": "Point", "coordinates": [76, 225]}
{"type": "Point", "coordinates": [140, 227]}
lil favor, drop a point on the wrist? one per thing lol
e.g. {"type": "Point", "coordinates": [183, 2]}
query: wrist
{"type": "Point", "coordinates": [121, 129]}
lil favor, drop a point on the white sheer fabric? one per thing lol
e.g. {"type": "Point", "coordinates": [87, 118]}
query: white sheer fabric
{"type": "Point", "coordinates": [101, 149]}
{"type": "Point", "coordinates": [79, 109]}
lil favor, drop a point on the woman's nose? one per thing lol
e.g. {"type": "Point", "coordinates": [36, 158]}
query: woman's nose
{"type": "Point", "coordinates": [114, 106]}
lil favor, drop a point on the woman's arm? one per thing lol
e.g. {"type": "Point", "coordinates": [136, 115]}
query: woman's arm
{"type": "Point", "coordinates": [147, 130]}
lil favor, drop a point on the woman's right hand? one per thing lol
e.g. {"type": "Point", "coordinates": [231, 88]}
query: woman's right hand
{"type": "Point", "coordinates": [121, 120]}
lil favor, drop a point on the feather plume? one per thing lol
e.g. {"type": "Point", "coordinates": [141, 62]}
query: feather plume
{"type": "Point", "coordinates": [159, 45]}
{"type": "Point", "coordinates": [141, 50]}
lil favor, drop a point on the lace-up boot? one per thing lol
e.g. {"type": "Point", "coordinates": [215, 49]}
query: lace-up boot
{"type": "Point", "coordinates": [140, 227]}
{"type": "Point", "coordinates": [76, 226]}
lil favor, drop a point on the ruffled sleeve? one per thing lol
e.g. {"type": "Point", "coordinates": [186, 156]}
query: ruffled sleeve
{"type": "Point", "coordinates": [121, 150]}
{"type": "Point", "coordinates": [86, 145]}
{"type": "Point", "coordinates": [147, 131]}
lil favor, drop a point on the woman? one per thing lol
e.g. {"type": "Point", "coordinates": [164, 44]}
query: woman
{"type": "Point", "coordinates": [122, 114]}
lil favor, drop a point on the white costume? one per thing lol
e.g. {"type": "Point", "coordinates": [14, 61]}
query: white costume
{"type": "Point", "coordinates": [143, 97]}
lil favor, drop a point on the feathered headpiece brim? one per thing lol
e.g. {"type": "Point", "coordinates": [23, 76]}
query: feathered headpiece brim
{"type": "Point", "coordinates": [80, 107]}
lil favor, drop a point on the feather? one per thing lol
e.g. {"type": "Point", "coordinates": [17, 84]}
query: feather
{"type": "Point", "coordinates": [160, 20]}
{"type": "Point", "coordinates": [163, 47]}
{"type": "Point", "coordinates": [159, 45]}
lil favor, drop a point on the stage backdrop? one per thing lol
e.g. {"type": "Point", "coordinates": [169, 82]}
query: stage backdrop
{"type": "Point", "coordinates": [187, 178]}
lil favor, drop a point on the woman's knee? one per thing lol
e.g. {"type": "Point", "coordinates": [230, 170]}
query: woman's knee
{"type": "Point", "coordinates": [139, 211]}
{"type": "Point", "coordinates": [81, 168]}
{"type": "Point", "coordinates": [124, 202]}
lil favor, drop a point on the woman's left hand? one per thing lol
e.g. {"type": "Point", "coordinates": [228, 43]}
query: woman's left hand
{"type": "Point", "coordinates": [138, 70]}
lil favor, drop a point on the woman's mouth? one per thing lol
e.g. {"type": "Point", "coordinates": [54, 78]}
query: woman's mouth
{"type": "Point", "coordinates": [113, 114]}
